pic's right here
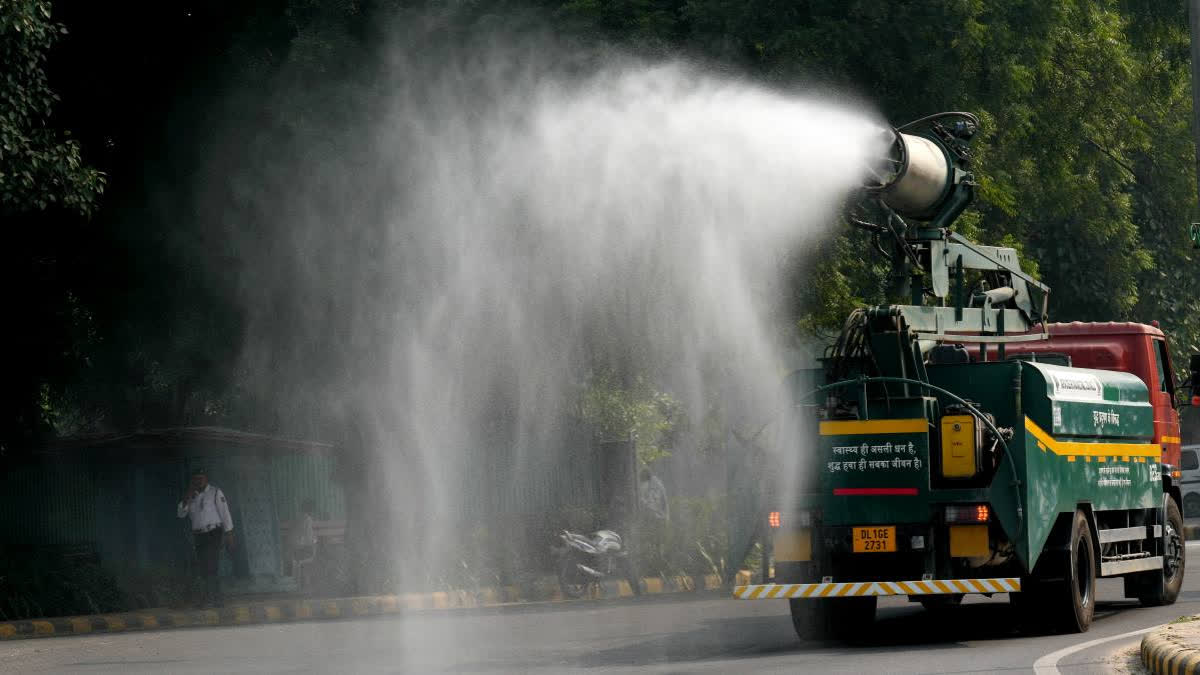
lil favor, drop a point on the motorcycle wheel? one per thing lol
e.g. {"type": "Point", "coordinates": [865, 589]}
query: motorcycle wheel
{"type": "Point", "coordinates": [572, 582]}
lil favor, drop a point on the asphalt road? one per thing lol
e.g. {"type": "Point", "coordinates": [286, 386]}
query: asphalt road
{"type": "Point", "coordinates": [706, 633]}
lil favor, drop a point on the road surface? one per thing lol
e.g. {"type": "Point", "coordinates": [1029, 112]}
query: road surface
{"type": "Point", "coordinates": [705, 633]}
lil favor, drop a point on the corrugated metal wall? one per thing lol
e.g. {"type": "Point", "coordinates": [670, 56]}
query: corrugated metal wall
{"type": "Point", "coordinates": [134, 510]}
{"type": "Point", "coordinates": [505, 481]}
{"type": "Point", "coordinates": [52, 503]}
{"type": "Point", "coordinates": [127, 506]}
{"type": "Point", "coordinates": [295, 478]}
{"type": "Point", "coordinates": [123, 503]}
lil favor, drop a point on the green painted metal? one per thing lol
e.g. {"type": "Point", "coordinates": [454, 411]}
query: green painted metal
{"type": "Point", "coordinates": [1086, 403]}
{"type": "Point", "coordinates": [120, 502]}
{"type": "Point", "coordinates": [295, 478]}
{"type": "Point", "coordinates": [51, 503]}
{"type": "Point", "coordinates": [877, 462]}
{"type": "Point", "coordinates": [1058, 483]}
{"type": "Point", "coordinates": [1056, 438]}
{"type": "Point", "coordinates": [1104, 417]}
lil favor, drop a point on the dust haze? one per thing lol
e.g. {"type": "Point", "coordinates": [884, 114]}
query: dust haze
{"type": "Point", "coordinates": [436, 264]}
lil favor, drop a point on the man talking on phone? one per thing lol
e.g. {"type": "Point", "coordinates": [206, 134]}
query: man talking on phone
{"type": "Point", "coordinates": [212, 525]}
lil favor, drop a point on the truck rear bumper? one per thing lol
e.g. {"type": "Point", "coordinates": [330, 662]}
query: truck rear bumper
{"type": "Point", "coordinates": [846, 589]}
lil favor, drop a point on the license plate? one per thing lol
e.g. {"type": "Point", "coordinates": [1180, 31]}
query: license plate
{"type": "Point", "coordinates": [875, 539]}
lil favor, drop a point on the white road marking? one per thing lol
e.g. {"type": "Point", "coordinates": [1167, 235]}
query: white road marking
{"type": "Point", "coordinates": [1048, 664]}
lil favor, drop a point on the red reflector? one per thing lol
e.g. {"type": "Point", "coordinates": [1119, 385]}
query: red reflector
{"type": "Point", "coordinates": [773, 519]}
{"type": "Point", "coordinates": [1196, 401]}
{"type": "Point", "coordinates": [861, 492]}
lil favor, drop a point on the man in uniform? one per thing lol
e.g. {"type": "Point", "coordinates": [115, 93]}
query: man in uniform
{"type": "Point", "coordinates": [212, 525]}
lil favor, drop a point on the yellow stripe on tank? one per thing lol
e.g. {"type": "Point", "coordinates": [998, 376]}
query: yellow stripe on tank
{"type": "Point", "coordinates": [863, 427]}
{"type": "Point", "coordinates": [1089, 450]}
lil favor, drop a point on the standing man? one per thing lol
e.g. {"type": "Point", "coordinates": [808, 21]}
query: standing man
{"type": "Point", "coordinates": [211, 525]}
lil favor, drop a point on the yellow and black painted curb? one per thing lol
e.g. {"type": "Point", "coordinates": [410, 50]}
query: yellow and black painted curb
{"type": "Point", "coordinates": [335, 608]}
{"type": "Point", "coordinates": [1166, 654]}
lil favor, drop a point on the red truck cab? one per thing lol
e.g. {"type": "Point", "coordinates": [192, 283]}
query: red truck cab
{"type": "Point", "coordinates": [1129, 347]}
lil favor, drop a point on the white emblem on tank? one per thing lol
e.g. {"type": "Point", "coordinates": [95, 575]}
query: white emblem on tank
{"type": "Point", "coordinates": [1077, 386]}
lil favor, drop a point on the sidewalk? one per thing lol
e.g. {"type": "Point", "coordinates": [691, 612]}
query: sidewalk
{"type": "Point", "coordinates": [1174, 647]}
{"type": "Point", "coordinates": [301, 609]}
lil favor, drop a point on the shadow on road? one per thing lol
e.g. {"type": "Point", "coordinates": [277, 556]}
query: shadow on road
{"type": "Point", "coordinates": [899, 629]}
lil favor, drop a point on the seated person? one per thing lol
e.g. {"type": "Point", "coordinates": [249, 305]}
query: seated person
{"type": "Point", "coordinates": [304, 540]}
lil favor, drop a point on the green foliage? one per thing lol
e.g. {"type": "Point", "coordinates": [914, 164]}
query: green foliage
{"type": "Point", "coordinates": [639, 411]}
{"type": "Point", "coordinates": [1085, 163]}
{"type": "Point", "coordinates": [40, 167]}
{"type": "Point", "coordinates": [694, 542]}
{"type": "Point", "coordinates": [45, 188]}
{"type": "Point", "coordinates": [43, 584]}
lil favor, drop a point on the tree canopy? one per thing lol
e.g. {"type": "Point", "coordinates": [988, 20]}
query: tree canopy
{"type": "Point", "coordinates": [1085, 163]}
{"type": "Point", "coordinates": [1086, 159]}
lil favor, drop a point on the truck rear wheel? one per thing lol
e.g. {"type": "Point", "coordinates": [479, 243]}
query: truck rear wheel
{"type": "Point", "coordinates": [1074, 598]}
{"type": "Point", "coordinates": [837, 619]}
{"type": "Point", "coordinates": [1163, 586]}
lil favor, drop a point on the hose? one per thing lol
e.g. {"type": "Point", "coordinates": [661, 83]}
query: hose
{"type": "Point", "coordinates": [861, 381]}
{"type": "Point", "coordinates": [929, 118]}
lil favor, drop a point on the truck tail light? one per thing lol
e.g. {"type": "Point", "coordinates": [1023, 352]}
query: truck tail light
{"type": "Point", "coordinates": [968, 513]}
{"type": "Point", "coordinates": [803, 519]}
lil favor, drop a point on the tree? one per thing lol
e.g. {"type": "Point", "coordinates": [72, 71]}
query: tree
{"type": "Point", "coordinates": [1083, 163]}
{"type": "Point", "coordinates": [40, 166]}
{"type": "Point", "coordinates": [45, 190]}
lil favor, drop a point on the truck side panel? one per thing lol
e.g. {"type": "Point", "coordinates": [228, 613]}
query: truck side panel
{"type": "Point", "coordinates": [1086, 436]}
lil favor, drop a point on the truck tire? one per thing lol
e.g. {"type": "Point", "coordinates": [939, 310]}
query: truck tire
{"type": "Point", "coordinates": [832, 619]}
{"type": "Point", "coordinates": [1073, 600]}
{"type": "Point", "coordinates": [1163, 587]}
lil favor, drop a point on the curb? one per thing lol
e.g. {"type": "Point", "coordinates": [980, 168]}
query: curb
{"type": "Point", "coordinates": [333, 608]}
{"type": "Point", "coordinates": [1164, 653]}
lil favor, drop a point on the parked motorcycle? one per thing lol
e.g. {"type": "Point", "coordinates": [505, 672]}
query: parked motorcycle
{"type": "Point", "coordinates": [586, 561]}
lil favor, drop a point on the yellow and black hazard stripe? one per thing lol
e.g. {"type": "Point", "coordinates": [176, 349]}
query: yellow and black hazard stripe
{"type": "Point", "coordinates": [846, 589]}
{"type": "Point", "coordinates": [1165, 653]}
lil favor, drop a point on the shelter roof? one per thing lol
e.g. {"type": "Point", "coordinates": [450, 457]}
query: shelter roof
{"type": "Point", "coordinates": [185, 438]}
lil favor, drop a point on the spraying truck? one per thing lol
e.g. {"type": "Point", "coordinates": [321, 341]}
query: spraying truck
{"type": "Point", "coordinates": [961, 443]}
